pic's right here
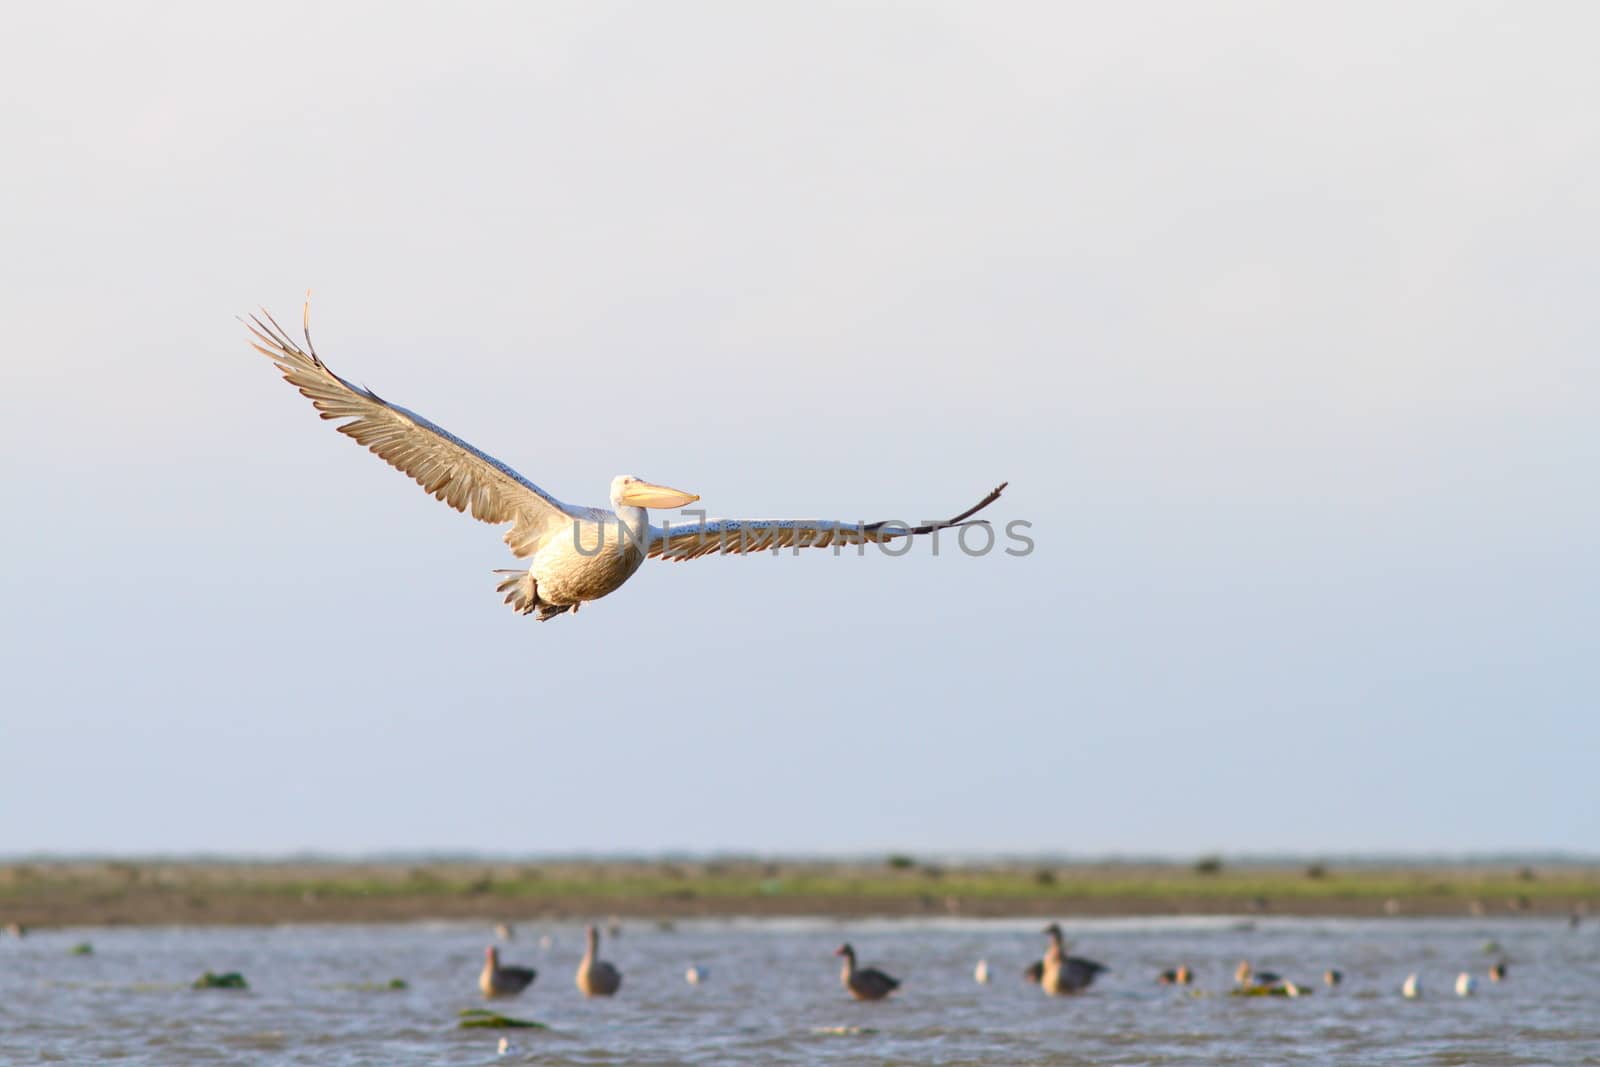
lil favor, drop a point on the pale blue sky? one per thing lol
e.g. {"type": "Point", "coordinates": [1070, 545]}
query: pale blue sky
{"type": "Point", "coordinates": [1280, 320]}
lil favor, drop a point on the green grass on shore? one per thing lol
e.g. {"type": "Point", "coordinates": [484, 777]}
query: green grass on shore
{"type": "Point", "coordinates": [903, 880]}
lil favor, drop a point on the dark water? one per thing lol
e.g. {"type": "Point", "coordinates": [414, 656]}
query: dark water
{"type": "Point", "coordinates": [773, 995]}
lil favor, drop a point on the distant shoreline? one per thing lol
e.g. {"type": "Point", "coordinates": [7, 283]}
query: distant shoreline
{"type": "Point", "coordinates": [50, 894]}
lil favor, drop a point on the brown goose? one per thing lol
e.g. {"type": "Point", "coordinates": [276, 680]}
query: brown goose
{"type": "Point", "coordinates": [1180, 975]}
{"type": "Point", "coordinates": [1064, 974]}
{"type": "Point", "coordinates": [864, 983]}
{"type": "Point", "coordinates": [596, 977]}
{"type": "Point", "coordinates": [498, 981]}
{"type": "Point", "coordinates": [1247, 976]}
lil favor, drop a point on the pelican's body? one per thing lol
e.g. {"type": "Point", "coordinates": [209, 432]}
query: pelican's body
{"type": "Point", "coordinates": [575, 554]}
{"type": "Point", "coordinates": [594, 555]}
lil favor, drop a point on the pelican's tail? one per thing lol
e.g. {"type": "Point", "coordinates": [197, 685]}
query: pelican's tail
{"type": "Point", "coordinates": [522, 593]}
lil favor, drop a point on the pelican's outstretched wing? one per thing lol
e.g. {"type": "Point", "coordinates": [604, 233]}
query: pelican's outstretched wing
{"type": "Point", "coordinates": [443, 464]}
{"type": "Point", "coordinates": [729, 536]}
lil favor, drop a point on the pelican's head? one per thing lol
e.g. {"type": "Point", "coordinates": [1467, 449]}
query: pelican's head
{"type": "Point", "coordinates": [630, 492]}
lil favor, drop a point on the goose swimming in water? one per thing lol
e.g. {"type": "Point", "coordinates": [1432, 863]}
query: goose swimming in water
{"type": "Point", "coordinates": [497, 980]}
{"type": "Point", "coordinates": [1063, 974]}
{"type": "Point", "coordinates": [1176, 976]}
{"type": "Point", "coordinates": [596, 977]}
{"type": "Point", "coordinates": [864, 983]}
{"type": "Point", "coordinates": [576, 554]}
{"type": "Point", "coordinates": [1248, 976]}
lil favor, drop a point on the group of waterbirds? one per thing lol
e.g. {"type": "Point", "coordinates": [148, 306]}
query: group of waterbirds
{"type": "Point", "coordinates": [1057, 973]}
{"type": "Point", "coordinates": [1248, 979]}
{"type": "Point", "coordinates": [595, 976]}
{"type": "Point", "coordinates": [1466, 982]}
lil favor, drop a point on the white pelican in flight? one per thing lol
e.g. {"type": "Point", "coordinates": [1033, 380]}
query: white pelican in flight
{"type": "Point", "coordinates": [575, 554]}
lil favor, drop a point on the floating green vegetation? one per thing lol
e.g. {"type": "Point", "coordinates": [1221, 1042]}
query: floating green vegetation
{"type": "Point", "coordinates": [1271, 991]}
{"type": "Point", "coordinates": [484, 1019]}
{"type": "Point", "coordinates": [392, 985]}
{"type": "Point", "coordinates": [226, 980]}
{"type": "Point", "coordinates": [82, 948]}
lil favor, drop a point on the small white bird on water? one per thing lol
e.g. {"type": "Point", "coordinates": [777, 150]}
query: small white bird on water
{"type": "Point", "coordinates": [981, 972]}
{"type": "Point", "coordinates": [1412, 987]}
{"type": "Point", "coordinates": [1466, 985]}
{"type": "Point", "coordinates": [696, 975]}
{"type": "Point", "coordinates": [576, 554]}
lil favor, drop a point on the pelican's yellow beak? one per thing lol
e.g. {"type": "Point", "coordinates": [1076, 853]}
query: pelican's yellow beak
{"type": "Point", "coordinates": [645, 495]}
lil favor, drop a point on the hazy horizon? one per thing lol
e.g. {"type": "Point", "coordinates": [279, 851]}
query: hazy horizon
{"type": "Point", "coordinates": [1279, 321]}
{"type": "Point", "coordinates": [1485, 858]}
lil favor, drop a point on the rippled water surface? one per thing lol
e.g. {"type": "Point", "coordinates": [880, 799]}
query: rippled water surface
{"type": "Point", "coordinates": [773, 995]}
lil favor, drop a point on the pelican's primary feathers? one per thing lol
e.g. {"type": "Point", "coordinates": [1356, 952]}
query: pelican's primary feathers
{"type": "Point", "coordinates": [575, 554]}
